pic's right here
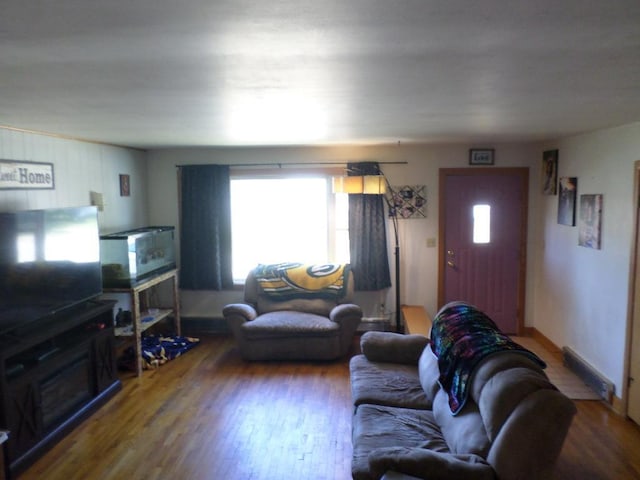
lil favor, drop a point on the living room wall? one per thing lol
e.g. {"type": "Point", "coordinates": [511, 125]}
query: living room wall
{"type": "Point", "coordinates": [79, 168]}
{"type": "Point", "coordinates": [575, 296]}
{"type": "Point", "coordinates": [418, 261]}
{"type": "Point", "coordinates": [581, 294]}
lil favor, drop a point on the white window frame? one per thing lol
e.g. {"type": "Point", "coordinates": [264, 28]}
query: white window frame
{"type": "Point", "coordinates": [293, 173]}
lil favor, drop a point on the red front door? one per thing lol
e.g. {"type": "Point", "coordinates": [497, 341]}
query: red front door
{"type": "Point", "coordinates": [483, 248]}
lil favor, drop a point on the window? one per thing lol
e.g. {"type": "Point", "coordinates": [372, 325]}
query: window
{"type": "Point", "coordinates": [481, 224]}
{"type": "Point", "coordinates": [286, 219]}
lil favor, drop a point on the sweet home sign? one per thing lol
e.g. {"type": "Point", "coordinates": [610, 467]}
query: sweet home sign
{"type": "Point", "coordinates": [25, 175]}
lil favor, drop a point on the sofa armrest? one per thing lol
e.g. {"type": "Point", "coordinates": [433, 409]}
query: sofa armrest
{"type": "Point", "coordinates": [241, 311]}
{"type": "Point", "coordinates": [428, 464]}
{"type": "Point", "coordinates": [345, 311]}
{"type": "Point", "coordinates": [393, 347]}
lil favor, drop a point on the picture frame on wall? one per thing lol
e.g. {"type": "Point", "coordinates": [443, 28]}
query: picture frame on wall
{"type": "Point", "coordinates": [590, 226]}
{"type": "Point", "coordinates": [408, 201]}
{"type": "Point", "coordinates": [550, 172]}
{"type": "Point", "coordinates": [19, 175]}
{"type": "Point", "coordinates": [481, 156]}
{"type": "Point", "coordinates": [125, 185]}
{"type": "Point", "coordinates": [568, 189]}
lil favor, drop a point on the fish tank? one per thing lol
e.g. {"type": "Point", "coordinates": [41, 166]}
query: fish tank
{"type": "Point", "coordinates": [134, 255]}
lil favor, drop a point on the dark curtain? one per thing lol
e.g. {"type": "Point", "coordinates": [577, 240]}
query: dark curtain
{"type": "Point", "coordinates": [368, 235]}
{"type": "Point", "coordinates": [205, 233]}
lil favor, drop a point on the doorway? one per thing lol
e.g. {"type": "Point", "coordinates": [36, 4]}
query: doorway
{"type": "Point", "coordinates": [483, 240]}
{"type": "Point", "coordinates": [633, 388]}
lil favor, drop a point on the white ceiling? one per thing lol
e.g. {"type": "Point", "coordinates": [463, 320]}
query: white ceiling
{"type": "Point", "coordinates": [156, 73]}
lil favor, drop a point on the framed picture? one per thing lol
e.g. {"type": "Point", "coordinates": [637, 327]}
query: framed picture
{"type": "Point", "coordinates": [550, 172]}
{"type": "Point", "coordinates": [481, 156]}
{"type": "Point", "coordinates": [567, 201]}
{"type": "Point", "coordinates": [125, 186]}
{"type": "Point", "coordinates": [590, 226]}
{"type": "Point", "coordinates": [408, 201]}
{"type": "Point", "coordinates": [15, 175]}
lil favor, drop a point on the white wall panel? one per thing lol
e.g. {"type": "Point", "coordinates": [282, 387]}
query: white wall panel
{"type": "Point", "coordinates": [79, 167]}
{"type": "Point", "coordinates": [419, 271]}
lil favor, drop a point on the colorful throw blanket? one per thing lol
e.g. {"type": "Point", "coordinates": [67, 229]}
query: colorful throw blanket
{"type": "Point", "coordinates": [286, 281]}
{"type": "Point", "coordinates": [461, 336]}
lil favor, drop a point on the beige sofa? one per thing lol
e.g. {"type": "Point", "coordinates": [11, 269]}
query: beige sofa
{"type": "Point", "coordinates": [293, 329]}
{"type": "Point", "coordinates": [512, 425]}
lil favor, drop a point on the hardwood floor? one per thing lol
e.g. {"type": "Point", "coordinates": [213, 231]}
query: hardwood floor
{"type": "Point", "coordinates": [209, 415]}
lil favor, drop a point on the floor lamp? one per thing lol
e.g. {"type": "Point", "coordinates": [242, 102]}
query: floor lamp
{"type": "Point", "coordinates": [375, 185]}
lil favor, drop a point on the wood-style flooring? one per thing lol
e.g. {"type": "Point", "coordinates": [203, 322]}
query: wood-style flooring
{"type": "Point", "coordinates": [209, 415]}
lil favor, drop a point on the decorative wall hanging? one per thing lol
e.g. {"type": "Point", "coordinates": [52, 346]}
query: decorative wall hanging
{"type": "Point", "coordinates": [125, 186]}
{"type": "Point", "coordinates": [567, 201]}
{"type": "Point", "coordinates": [550, 172]}
{"type": "Point", "coordinates": [590, 226]}
{"type": "Point", "coordinates": [481, 156]}
{"type": "Point", "coordinates": [408, 201]}
{"type": "Point", "coordinates": [26, 175]}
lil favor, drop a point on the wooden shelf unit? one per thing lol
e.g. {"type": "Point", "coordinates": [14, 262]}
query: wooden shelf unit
{"type": "Point", "coordinates": [143, 314]}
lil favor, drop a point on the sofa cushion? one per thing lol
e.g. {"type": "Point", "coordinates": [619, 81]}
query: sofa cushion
{"type": "Point", "coordinates": [288, 324]}
{"type": "Point", "coordinates": [318, 306]}
{"type": "Point", "coordinates": [423, 463]}
{"type": "Point", "coordinates": [531, 439]}
{"type": "Point", "coordinates": [429, 373]}
{"type": "Point", "coordinates": [381, 383]}
{"type": "Point", "coordinates": [254, 295]}
{"type": "Point", "coordinates": [377, 426]}
{"type": "Point", "coordinates": [495, 363]}
{"type": "Point", "coordinates": [463, 432]}
{"type": "Point", "coordinates": [504, 391]}
{"type": "Point", "coordinates": [393, 347]}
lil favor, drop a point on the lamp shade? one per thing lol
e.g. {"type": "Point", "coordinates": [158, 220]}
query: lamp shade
{"type": "Point", "coordinates": [367, 184]}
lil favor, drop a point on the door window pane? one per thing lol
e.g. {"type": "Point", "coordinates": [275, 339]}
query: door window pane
{"type": "Point", "coordinates": [481, 224]}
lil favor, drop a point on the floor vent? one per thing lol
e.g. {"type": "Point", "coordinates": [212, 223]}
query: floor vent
{"type": "Point", "coordinates": [588, 374]}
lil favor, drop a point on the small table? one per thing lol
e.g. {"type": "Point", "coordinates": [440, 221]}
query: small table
{"type": "Point", "coordinates": [416, 320]}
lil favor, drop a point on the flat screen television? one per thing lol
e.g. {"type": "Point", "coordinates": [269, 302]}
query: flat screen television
{"type": "Point", "coordinates": [49, 262]}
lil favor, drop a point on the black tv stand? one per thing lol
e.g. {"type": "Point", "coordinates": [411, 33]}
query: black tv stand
{"type": "Point", "coordinates": [53, 375]}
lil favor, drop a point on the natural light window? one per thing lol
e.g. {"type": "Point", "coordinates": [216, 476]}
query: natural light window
{"type": "Point", "coordinates": [26, 246]}
{"type": "Point", "coordinates": [481, 224]}
{"type": "Point", "coordinates": [292, 219]}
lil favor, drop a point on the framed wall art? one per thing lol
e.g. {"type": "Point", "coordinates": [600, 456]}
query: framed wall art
{"type": "Point", "coordinates": [550, 172]}
{"type": "Point", "coordinates": [481, 156]}
{"type": "Point", "coordinates": [408, 201]}
{"type": "Point", "coordinates": [567, 201]}
{"type": "Point", "coordinates": [590, 225]}
{"type": "Point", "coordinates": [125, 185]}
{"type": "Point", "coordinates": [16, 175]}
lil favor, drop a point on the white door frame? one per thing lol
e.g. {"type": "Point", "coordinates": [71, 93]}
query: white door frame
{"type": "Point", "coordinates": [633, 313]}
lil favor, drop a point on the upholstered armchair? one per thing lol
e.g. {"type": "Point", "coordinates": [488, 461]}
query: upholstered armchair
{"type": "Point", "coordinates": [279, 323]}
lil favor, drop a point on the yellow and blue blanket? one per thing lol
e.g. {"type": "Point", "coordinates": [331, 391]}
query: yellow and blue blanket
{"type": "Point", "coordinates": [286, 281]}
{"type": "Point", "coordinates": [461, 336]}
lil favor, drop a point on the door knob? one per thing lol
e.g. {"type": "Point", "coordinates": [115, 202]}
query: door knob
{"type": "Point", "coordinates": [451, 264]}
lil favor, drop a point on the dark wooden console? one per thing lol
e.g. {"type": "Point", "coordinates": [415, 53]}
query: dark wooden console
{"type": "Point", "coordinates": [53, 375]}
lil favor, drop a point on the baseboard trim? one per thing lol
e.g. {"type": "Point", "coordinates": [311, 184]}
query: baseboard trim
{"type": "Point", "coordinates": [544, 341]}
{"type": "Point", "coordinates": [615, 403]}
{"type": "Point", "coordinates": [589, 375]}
